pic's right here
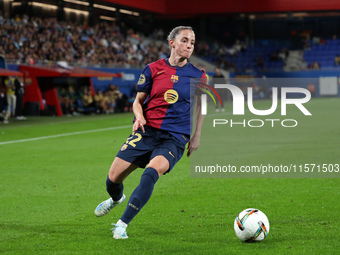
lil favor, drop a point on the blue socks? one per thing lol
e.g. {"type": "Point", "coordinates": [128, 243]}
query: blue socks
{"type": "Point", "coordinates": [115, 190]}
{"type": "Point", "coordinates": [141, 195]}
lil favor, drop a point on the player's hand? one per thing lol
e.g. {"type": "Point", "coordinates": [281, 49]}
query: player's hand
{"type": "Point", "coordinates": [139, 123]}
{"type": "Point", "coordinates": [193, 145]}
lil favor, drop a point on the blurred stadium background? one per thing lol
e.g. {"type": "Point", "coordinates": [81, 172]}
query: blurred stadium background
{"type": "Point", "coordinates": [53, 169]}
{"type": "Point", "coordinates": [277, 38]}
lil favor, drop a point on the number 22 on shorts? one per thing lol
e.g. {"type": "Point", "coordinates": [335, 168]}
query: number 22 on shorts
{"type": "Point", "coordinates": [133, 139]}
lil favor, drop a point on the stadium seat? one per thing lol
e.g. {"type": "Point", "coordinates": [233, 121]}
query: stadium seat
{"type": "Point", "coordinates": [82, 109]}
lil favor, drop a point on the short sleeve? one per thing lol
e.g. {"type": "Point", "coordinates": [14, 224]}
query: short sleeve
{"type": "Point", "coordinates": [145, 81]}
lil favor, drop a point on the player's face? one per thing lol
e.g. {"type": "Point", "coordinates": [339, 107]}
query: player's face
{"type": "Point", "coordinates": [183, 45]}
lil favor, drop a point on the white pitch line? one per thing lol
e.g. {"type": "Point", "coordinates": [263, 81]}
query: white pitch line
{"type": "Point", "coordinates": [62, 135]}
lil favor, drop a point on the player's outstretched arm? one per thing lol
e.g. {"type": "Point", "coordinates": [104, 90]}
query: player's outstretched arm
{"type": "Point", "coordinates": [137, 108]}
{"type": "Point", "coordinates": [194, 142]}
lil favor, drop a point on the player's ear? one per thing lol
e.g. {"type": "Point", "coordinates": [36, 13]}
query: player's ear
{"type": "Point", "coordinates": [172, 43]}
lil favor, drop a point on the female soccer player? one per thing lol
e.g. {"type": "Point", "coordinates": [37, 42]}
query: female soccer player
{"type": "Point", "coordinates": [162, 108]}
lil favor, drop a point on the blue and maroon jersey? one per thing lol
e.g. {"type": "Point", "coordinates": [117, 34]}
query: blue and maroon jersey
{"type": "Point", "coordinates": [170, 99]}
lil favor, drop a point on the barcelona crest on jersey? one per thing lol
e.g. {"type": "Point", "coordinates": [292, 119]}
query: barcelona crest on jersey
{"type": "Point", "coordinates": [174, 78]}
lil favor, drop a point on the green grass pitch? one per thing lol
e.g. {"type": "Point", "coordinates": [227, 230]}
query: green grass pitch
{"type": "Point", "coordinates": [49, 188]}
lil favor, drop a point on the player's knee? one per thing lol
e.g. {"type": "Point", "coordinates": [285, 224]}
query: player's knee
{"type": "Point", "coordinates": [160, 168]}
{"type": "Point", "coordinates": [112, 176]}
{"type": "Point", "coordinates": [116, 176]}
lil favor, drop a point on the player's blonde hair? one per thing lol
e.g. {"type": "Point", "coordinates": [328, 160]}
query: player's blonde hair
{"type": "Point", "coordinates": [174, 32]}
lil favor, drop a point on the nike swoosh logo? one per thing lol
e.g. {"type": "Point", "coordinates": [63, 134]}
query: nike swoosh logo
{"type": "Point", "coordinates": [172, 155]}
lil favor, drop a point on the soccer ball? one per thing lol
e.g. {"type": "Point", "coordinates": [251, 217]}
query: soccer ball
{"type": "Point", "coordinates": [251, 225]}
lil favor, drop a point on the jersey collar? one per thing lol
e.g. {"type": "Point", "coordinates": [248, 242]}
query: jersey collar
{"type": "Point", "coordinates": [168, 63]}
